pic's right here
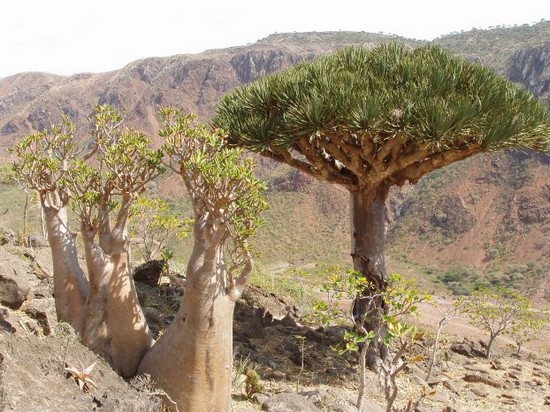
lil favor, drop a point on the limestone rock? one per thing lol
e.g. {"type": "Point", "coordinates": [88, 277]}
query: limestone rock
{"type": "Point", "coordinates": [289, 402]}
{"type": "Point", "coordinates": [462, 349]}
{"type": "Point", "coordinates": [32, 378]}
{"type": "Point", "coordinates": [14, 287]}
{"type": "Point", "coordinates": [478, 378]}
{"type": "Point", "coordinates": [42, 312]}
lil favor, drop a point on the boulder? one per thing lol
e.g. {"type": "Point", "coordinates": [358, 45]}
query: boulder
{"type": "Point", "coordinates": [32, 378]}
{"type": "Point", "coordinates": [14, 285]}
{"type": "Point", "coordinates": [462, 349]}
{"type": "Point", "coordinates": [288, 402]}
{"type": "Point", "coordinates": [479, 378]}
{"type": "Point", "coordinates": [9, 322]}
{"type": "Point", "coordinates": [42, 315]}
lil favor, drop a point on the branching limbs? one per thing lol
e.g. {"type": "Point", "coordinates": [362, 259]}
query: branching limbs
{"type": "Point", "coordinates": [226, 196]}
{"type": "Point", "coordinates": [112, 174]}
{"type": "Point", "coordinates": [44, 159]}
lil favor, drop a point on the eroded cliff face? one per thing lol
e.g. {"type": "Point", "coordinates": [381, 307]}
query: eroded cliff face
{"type": "Point", "coordinates": [32, 101]}
{"type": "Point", "coordinates": [496, 202]}
{"type": "Point", "coordinates": [252, 65]}
{"type": "Point", "coordinates": [531, 68]}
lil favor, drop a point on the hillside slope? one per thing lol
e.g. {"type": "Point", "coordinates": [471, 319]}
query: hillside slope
{"type": "Point", "coordinates": [488, 216]}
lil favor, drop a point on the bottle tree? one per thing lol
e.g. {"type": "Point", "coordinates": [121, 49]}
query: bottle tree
{"type": "Point", "coordinates": [192, 361]}
{"type": "Point", "coordinates": [371, 119]}
{"type": "Point", "coordinates": [43, 161]}
{"type": "Point", "coordinates": [100, 185]}
{"type": "Point", "coordinates": [104, 183]}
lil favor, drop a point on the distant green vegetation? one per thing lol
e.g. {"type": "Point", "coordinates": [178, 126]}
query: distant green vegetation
{"type": "Point", "coordinates": [296, 231]}
{"type": "Point", "coordinates": [19, 210]}
{"type": "Point", "coordinates": [333, 38]}
{"type": "Point", "coordinates": [297, 287]}
{"type": "Point", "coordinates": [463, 280]}
{"type": "Point", "coordinates": [494, 46]}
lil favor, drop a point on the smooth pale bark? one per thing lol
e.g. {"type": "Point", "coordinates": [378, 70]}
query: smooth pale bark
{"type": "Point", "coordinates": [192, 361]}
{"type": "Point", "coordinates": [69, 282]}
{"type": "Point", "coordinates": [368, 220]}
{"type": "Point", "coordinates": [114, 324]}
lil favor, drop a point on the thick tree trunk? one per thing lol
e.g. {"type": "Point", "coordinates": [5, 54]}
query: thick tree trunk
{"type": "Point", "coordinates": [192, 361]}
{"type": "Point", "coordinates": [70, 283]}
{"type": "Point", "coordinates": [368, 219]}
{"type": "Point", "coordinates": [114, 324]}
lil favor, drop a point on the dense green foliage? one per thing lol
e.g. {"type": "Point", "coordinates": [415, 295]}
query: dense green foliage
{"type": "Point", "coordinates": [219, 179]}
{"type": "Point", "coordinates": [114, 173]}
{"type": "Point", "coordinates": [44, 158]}
{"type": "Point", "coordinates": [424, 97]}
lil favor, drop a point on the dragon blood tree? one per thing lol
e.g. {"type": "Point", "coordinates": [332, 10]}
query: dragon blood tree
{"type": "Point", "coordinates": [371, 119]}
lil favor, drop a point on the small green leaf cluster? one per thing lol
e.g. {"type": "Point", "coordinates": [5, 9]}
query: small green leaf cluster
{"type": "Point", "coordinates": [402, 298]}
{"type": "Point", "coordinates": [503, 311]}
{"type": "Point", "coordinates": [115, 170]}
{"type": "Point", "coordinates": [352, 341]}
{"type": "Point", "coordinates": [342, 285]}
{"type": "Point", "coordinates": [152, 224]}
{"type": "Point", "coordinates": [399, 336]}
{"type": "Point", "coordinates": [43, 159]}
{"type": "Point", "coordinates": [219, 179]}
{"type": "Point", "coordinates": [529, 326]}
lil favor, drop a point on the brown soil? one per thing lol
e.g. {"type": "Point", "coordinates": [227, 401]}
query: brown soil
{"type": "Point", "coordinates": [460, 382]}
{"type": "Point", "coordinates": [287, 355]}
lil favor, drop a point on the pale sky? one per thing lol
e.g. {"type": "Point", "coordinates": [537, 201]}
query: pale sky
{"type": "Point", "coordinates": [73, 36]}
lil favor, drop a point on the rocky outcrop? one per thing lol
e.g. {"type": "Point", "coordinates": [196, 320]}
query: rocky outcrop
{"type": "Point", "coordinates": [531, 68]}
{"type": "Point", "coordinates": [251, 65]}
{"type": "Point", "coordinates": [289, 402]}
{"type": "Point", "coordinates": [33, 378]}
{"type": "Point", "coordinates": [533, 207]}
{"type": "Point", "coordinates": [451, 216]}
{"type": "Point", "coordinates": [15, 286]}
{"type": "Point", "coordinates": [34, 347]}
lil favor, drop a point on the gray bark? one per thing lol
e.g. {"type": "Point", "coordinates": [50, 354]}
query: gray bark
{"type": "Point", "coordinates": [368, 219]}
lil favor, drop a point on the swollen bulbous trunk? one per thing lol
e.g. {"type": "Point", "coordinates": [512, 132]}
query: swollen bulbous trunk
{"type": "Point", "coordinates": [70, 283]}
{"type": "Point", "coordinates": [192, 361]}
{"type": "Point", "coordinates": [114, 324]}
{"type": "Point", "coordinates": [368, 219]}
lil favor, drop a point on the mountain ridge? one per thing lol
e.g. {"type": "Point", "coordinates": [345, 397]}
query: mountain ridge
{"type": "Point", "coordinates": [501, 214]}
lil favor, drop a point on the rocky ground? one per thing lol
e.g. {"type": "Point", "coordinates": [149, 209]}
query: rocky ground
{"type": "Point", "coordinates": [296, 367]}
